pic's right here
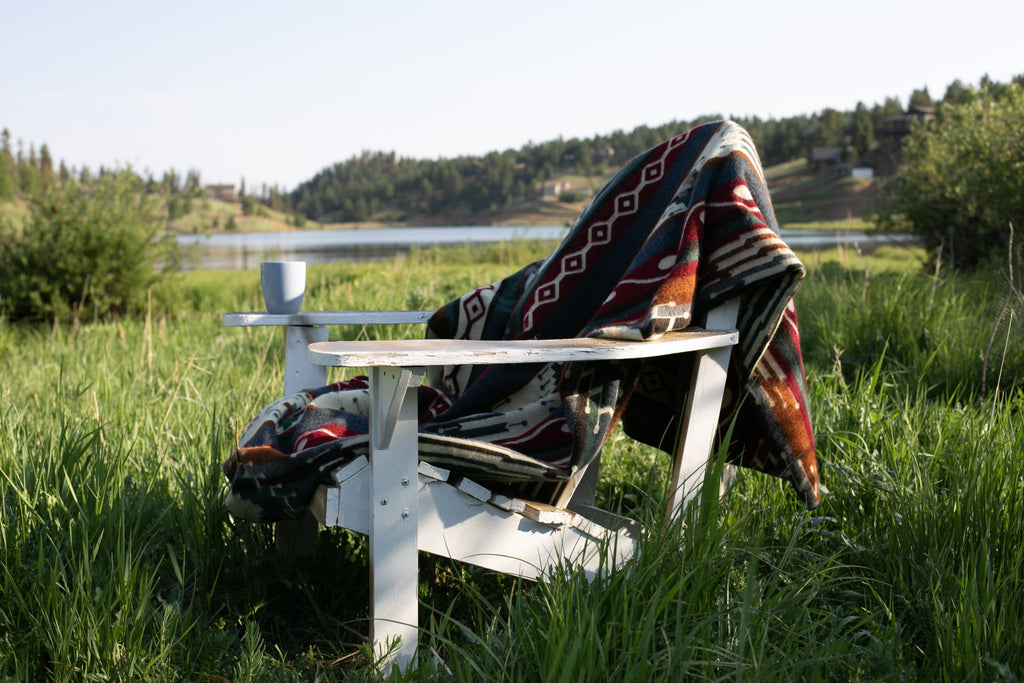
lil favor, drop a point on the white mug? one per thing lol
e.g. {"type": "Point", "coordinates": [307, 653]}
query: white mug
{"type": "Point", "coordinates": [283, 283]}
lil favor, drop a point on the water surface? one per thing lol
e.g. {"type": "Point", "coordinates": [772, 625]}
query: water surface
{"type": "Point", "coordinates": [241, 251]}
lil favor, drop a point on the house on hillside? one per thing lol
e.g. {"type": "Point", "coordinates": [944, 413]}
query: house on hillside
{"type": "Point", "coordinates": [901, 124]}
{"type": "Point", "coordinates": [224, 193]}
{"type": "Point", "coordinates": [826, 156]}
{"type": "Point", "coordinates": [551, 190]}
{"type": "Point", "coordinates": [602, 155]}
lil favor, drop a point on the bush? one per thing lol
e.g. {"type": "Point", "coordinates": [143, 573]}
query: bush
{"type": "Point", "coordinates": [89, 252]}
{"type": "Point", "coordinates": [959, 179]}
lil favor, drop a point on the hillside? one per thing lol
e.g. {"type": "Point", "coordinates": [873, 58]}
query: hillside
{"type": "Point", "coordinates": [801, 195]}
{"type": "Point", "coordinates": [212, 215]}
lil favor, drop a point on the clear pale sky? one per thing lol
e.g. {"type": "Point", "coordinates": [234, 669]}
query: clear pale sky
{"type": "Point", "coordinates": [276, 91]}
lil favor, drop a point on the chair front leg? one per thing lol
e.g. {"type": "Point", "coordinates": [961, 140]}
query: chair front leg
{"type": "Point", "coordinates": [394, 513]}
{"type": "Point", "coordinates": [699, 420]}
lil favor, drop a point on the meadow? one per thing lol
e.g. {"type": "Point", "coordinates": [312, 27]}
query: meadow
{"type": "Point", "coordinates": [118, 560]}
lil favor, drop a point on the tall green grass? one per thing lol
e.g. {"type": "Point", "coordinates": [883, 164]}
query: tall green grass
{"type": "Point", "coordinates": [118, 561]}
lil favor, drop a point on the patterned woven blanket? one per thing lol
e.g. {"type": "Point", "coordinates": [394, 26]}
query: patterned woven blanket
{"type": "Point", "coordinates": [682, 228]}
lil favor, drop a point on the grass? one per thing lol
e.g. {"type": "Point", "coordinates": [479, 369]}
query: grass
{"type": "Point", "coordinates": [118, 561]}
{"type": "Point", "coordinates": [213, 215]}
{"type": "Point", "coordinates": [850, 225]}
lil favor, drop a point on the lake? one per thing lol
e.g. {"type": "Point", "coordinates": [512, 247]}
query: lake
{"type": "Point", "coordinates": [242, 251]}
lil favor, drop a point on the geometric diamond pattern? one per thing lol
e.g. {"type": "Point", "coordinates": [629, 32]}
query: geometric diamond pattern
{"type": "Point", "coordinates": [600, 233]}
{"type": "Point", "coordinates": [474, 307]}
{"type": "Point", "coordinates": [574, 263]}
{"type": "Point", "coordinates": [547, 293]}
{"type": "Point", "coordinates": [626, 203]}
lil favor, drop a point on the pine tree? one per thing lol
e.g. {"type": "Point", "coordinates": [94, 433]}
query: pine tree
{"type": "Point", "coordinates": [193, 186]}
{"type": "Point", "coordinates": [45, 167]}
{"type": "Point", "coordinates": [920, 99]}
{"type": "Point", "coordinates": [29, 172]}
{"type": "Point", "coordinates": [8, 188]}
{"type": "Point", "coordinates": [8, 183]}
{"type": "Point", "coordinates": [958, 93]}
{"type": "Point", "coordinates": [862, 133]}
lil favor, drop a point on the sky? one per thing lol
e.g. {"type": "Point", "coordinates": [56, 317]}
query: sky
{"type": "Point", "coordinates": [274, 92]}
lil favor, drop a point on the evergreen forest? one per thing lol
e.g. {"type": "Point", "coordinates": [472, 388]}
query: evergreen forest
{"type": "Point", "coordinates": [384, 186]}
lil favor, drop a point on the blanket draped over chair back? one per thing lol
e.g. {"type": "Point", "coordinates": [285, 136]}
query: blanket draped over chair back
{"type": "Point", "coordinates": [680, 229]}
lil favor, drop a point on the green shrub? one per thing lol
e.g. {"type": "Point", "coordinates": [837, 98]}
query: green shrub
{"type": "Point", "coordinates": [84, 252]}
{"type": "Point", "coordinates": [959, 179]}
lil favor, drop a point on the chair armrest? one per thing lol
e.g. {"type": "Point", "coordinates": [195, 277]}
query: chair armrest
{"type": "Point", "coordinates": [431, 352]}
{"type": "Point", "coordinates": [318, 318]}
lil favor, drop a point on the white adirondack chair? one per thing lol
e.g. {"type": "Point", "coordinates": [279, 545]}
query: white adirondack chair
{"type": "Point", "coordinates": [405, 506]}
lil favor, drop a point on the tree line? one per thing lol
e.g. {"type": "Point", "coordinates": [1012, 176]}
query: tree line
{"type": "Point", "coordinates": [382, 185]}
{"type": "Point", "coordinates": [379, 184]}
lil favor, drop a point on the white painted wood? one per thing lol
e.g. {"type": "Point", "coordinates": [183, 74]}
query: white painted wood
{"type": "Point", "coordinates": [507, 504]}
{"type": "Point", "coordinates": [432, 471]}
{"type": "Point", "coordinates": [546, 514]}
{"type": "Point", "coordinates": [454, 524]}
{"type": "Point", "coordinates": [581, 486]}
{"type": "Point", "coordinates": [699, 424]}
{"type": "Point", "coordinates": [326, 507]}
{"type": "Point", "coordinates": [475, 490]}
{"type": "Point", "coordinates": [299, 373]}
{"type": "Point", "coordinates": [386, 406]}
{"type": "Point", "coordinates": [394, 504]}
{"type": "Point", "coordinates": [723, 317]}
{"type": "Point", "coordinates": [307, 318]}
{"type": "Point", "coordinates": [353, 494]}
{"type": "Point", "coordinates": [324, 500]}
{"type": "Point", "coordinates": [430, 352]}
{"type": "Point", "coordinates": [609, 520]}
{"type": "Point", "coordinates": [699, 420]}
{"type": "Point", "coordinates": [345, 505]}
{"type": "Point", "coordinates": [351, 469]}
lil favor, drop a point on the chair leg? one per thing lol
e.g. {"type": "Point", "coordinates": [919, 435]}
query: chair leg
{"type": "Point", "coordinates": [700, 416]}
{"type": "Point", "coordinates": [394, 505]}
{"type": "Point", "coordinates": [295, 539]}
{"type": "Point", "coordinates": [698, 427]}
